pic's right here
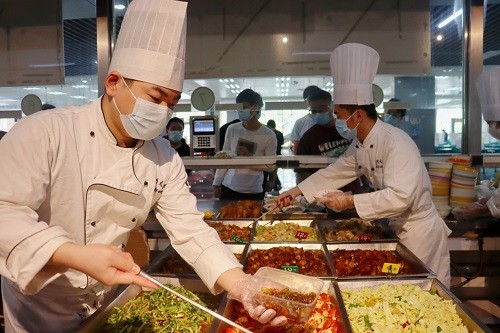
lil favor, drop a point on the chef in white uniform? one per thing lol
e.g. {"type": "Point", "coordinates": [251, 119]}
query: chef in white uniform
{"type": "Point", "coordinates": [387, 156]}
{"type": "Point", "coordinates": [76, 181]}
{"type": "Point", "coordinates": [488, 89]}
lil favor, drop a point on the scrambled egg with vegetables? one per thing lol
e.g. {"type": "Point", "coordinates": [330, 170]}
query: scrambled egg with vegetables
{"type": "Point", "coordinates": [400, 308]}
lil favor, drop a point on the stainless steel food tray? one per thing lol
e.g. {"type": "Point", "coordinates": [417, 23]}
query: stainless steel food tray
{"type": "Point", "coordinates": [468, 318]}
{"type": "Point", "coordinates": [97, 322]}
{"type": "Point", "coordinates": [227, 307]}
{"type": "Point", "coordinates": [269, 224]}
{"type": "Point", "coordinates": [420, 269]}
{"type": "Point", "coordinates": [156, 266]}
{"type": "Point", "coordinates": [295, 215]}
{"type": "Point", "coordinates": [240, 223]}
{"type": "Point", "coordinates": [386, 236]}
{"type": "Point", "coordinates": [305, 246]}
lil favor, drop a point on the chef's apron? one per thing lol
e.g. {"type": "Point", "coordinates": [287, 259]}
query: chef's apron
{"type": "Point", "coordinates": [53, 309]}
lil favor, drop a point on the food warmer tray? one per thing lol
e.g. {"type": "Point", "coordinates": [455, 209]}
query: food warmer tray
{"type": "Point", "coordinates": [387, 233]}
{"type": "Point", "coordinates": [237, 222]}
{"type": "Point", "coordinates": [156, 266]}
{"type": "Point", "coordinates": [97, 321]}
{"type": "Point", "coordinates": [305, 223]}
{"type": "Point", "coordinates": [421, 269]}
{"type": "Point", "coordinates": [294, 215]}
{"type": "Point", "coordinates": [306, 246]}
{"type": "Point", "coordinates": [226, 309]}
{"type": "Point", "coordinates": [470, 321]}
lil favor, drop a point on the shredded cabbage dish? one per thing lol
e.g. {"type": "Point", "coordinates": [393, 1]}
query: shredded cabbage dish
{"type": "Point", "coordinates": [400, 308]}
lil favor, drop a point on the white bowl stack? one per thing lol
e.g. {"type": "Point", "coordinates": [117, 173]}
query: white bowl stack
{"type": "Point", "coordinates": [440, 175]}
{"type": "Point", "coordinates": [463, 181]}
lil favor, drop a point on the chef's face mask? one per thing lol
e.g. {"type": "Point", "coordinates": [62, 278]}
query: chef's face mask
{"type": "Point", "coordinates": [147, 119]}
{"type": "Point", "coordinates": [344, 130]}
{"type": "Point", "coordinates": [494, 130]}
{"type": "Point", "coordinates": [390, 119]}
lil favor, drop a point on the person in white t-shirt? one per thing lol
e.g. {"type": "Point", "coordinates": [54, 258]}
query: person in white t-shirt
{"type": "Point", "coordinates": [246, 138]}
{"type": "Point", "coordinates": [304, 123]}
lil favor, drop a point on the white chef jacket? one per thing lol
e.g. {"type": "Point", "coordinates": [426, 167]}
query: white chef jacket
{"type": "Point", "coordinates": [389, 158]}
{"type": "Point", "coordinates": [64, 179]}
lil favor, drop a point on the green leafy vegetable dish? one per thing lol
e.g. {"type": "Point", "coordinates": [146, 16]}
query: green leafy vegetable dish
{"type": "Point", "coordinates": [160, 311]}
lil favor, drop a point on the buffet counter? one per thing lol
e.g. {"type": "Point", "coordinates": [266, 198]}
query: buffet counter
{"type": "Point", "coordinates": [466, 239]}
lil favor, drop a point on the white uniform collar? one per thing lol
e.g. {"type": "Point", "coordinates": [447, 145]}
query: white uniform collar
{"type": "Point", "coordinates": [371, 138]}
{"type": "Point", "coordinates": [103, 128]}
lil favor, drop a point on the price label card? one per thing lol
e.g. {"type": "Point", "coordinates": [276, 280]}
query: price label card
{"type": "Point", "coordinates": [301, 235]}
{"type": "Point", "coordinates": [294, 269]}
{"type": "Point", "coordinates": [238, 239]}
{"type": "Point", "coordinates": [365, 237]}
{"type": "Point", "coordinates": [390, 268]}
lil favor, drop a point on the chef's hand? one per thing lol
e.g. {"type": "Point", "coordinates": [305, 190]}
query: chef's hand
{"type": "Point", "coordinates": [470, 211]}
{"type": "Point", "coordinates": [105, 263]}
{"type": "Point", "coordinates": [216, 191]}
{"type": "Point", "coordinates": [286, 198]}
{"type": "Point", "coordinates": [244, 290]}
{"type": "Point", "coordinates": [338, 201]}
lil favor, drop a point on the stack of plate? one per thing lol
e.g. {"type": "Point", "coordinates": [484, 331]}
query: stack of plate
{"type": "Point", "coordinates": [440, 174]}
{"type": "Point", "coordinates": [463, 180]}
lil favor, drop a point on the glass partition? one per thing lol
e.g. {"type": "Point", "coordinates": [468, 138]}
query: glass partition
{"type": "Point", "coordinates": [491, 57]}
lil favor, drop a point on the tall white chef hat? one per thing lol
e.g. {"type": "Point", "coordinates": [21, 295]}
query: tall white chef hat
{"type": "Point", "coordinates": [152, 42]}
{"type": "Point", "coordinates": [353, 69]}
{"type": "Point", "coordinates": [488, 89]}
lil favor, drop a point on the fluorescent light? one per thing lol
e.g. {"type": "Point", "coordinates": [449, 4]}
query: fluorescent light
{"type": "Point", "coordinates": [450, 18]}
{"type": "Point", "coordinates": [80, 86]}
{"type": "Point", "coordinates": [78, 97]}
{"type": "Point", "coordinates": [93, 90]}
{"type": "Point", "coordinates": [56, 93]}
{"type": "Point", "coordinates": [120, 7]}
{"type": "Point", "coordinates": [31, 88]}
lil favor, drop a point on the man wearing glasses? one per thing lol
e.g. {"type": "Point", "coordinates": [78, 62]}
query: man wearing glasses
{"type": "Point", "coordinates": [322, 138]}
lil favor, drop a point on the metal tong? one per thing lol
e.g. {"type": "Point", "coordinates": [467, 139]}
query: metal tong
{"type": "Point", "coordinates": [199, 306]}
{"type": "Point", "coordinates": [263, 214]}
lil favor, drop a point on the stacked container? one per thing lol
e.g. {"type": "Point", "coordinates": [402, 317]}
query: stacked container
{"type": "Point", "coordinates": [440, 175]}
{"type": "Point", "coordinates": [463, 181]}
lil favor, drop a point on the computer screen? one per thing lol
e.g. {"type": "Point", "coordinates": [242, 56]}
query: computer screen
{"type": "Point", "coordinates": [203, 126]}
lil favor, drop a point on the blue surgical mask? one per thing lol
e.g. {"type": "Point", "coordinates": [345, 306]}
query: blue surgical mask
{"type": "Point", "coordinates": [321, 118]}
{"type": "Point", "coordinates": [344, 131]}
{"type": "Point", "coordinates": [390, 119]}
{"type": "Point", "coordinates": [245, 115]}
{"type": "Point", "coordinates": [175, 136]}
{"type": "Point", "coordinates": [147, 119]}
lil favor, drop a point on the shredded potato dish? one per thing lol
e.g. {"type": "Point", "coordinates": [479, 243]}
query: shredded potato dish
{"type": "Point", "coordinates": [283, 231]}
{"type": "Point", "coordinates": [400, 308]}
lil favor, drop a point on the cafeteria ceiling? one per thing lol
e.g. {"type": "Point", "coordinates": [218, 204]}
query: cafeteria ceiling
{"type": "Point", "coordinates": [232, 39]}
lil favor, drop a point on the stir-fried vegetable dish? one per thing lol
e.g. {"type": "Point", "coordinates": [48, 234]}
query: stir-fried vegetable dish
{"type": "Point", "coordinates": [160, 311]}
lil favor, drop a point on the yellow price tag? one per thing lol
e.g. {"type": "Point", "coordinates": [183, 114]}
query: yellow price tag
{"type": "Point", "coordinates": [390, 268]}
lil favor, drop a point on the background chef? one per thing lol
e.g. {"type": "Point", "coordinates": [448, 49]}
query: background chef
{"type": "Point", "coordinates": [78, 180]}
{"type": "Point", "coordinates": [387, 156]}
{"type": "Point", "coordinates": [488, 89]}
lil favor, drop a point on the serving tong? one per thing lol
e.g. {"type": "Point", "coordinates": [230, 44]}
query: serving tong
{"type": "Point", "coordinates": [269, 211]}
{"type": "Point", "coordinates": [190, 301]}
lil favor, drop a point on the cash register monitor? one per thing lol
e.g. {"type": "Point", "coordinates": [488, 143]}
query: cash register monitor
{"type": "Point", "coordinates": [204, 131]}
{"type": "Point", "coordinates": [204, 126]}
